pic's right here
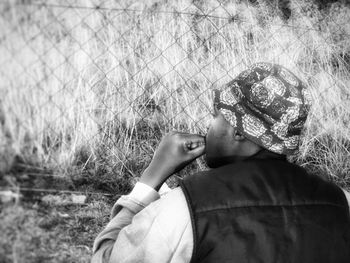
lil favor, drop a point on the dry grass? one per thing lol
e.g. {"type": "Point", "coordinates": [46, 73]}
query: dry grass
{"type": "Point", "coordinates": [84, 88]}
{"type": "Point", "coordinates": [50, 234]}
{"type": "Point", "coordinates": [88, 93]}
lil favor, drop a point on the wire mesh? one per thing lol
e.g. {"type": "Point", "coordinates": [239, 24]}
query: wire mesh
{"type": "Point", "coordinates": [92, 86]}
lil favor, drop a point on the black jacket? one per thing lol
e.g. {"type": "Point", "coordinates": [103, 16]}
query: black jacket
{"type": "Point", "coordinates": [266, 210]}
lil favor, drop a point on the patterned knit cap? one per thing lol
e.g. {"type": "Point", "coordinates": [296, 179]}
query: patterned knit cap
{"type": "Point", "coordinates": [268, 104]}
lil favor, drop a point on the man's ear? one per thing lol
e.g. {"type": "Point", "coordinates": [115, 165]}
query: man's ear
{"type": "Point", "coordinates": [238, 136]}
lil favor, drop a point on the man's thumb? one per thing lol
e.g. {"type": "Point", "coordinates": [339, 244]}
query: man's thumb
{"type": "Point", "coordinates": [197, 150]}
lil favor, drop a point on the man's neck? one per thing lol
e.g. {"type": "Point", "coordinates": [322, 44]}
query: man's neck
{"type": "Point", "coordinates": [261, 154]}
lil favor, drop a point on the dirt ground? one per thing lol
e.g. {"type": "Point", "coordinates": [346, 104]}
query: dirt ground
{"type": "Point", "coordinates": [50, 226]}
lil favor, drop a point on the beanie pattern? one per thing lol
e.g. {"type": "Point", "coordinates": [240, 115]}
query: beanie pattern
{"type": "Point", "coordinates": [268, 104]}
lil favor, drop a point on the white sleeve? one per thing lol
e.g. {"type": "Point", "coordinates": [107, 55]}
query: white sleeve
{"type": "Point", "coordinates": [161, 232]}
{"type": "Point", "coordinates": [122, 214]}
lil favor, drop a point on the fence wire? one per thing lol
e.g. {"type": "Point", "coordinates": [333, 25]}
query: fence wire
{"type": "Point", "coordinates": [93, 85]}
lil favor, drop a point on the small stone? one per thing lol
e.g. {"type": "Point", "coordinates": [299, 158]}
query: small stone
{"type": "Point", "coordinates": [25, 177]}
{"type": "Point", "coordinates": [8, 196]}
{"type": "Point", "coordinates": [78, 199]}
{"type": "Point", "coordinates": [63, 215]}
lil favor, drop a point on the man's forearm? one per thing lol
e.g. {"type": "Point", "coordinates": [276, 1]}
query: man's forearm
{"type": "Point", "coordinates": [122, 214]}
{"type": "Point", "coordinates": [151, 177]}
{"type": "Point", "coordinates": [104, 242]}
{"type": "Point", "coordinates": [111, 231]}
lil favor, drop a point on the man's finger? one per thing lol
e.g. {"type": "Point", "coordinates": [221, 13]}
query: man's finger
{"type": "Point", "coordinates": [198, 151]}
{"type": "Point", "coordinates": [194, 144]}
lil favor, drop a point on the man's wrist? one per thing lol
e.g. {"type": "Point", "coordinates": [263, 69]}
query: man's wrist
{"type": "Point", "coordinates": [153, 177]}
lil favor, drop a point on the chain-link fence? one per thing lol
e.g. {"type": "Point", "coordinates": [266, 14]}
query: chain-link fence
{"type": "Point", "coordinates": [89, 87]}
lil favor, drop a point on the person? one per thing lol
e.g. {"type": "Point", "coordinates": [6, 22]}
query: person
{"type": "Point", "coordinates": [252, 205]}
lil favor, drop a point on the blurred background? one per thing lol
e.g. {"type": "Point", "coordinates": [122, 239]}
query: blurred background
{"type": "Point", "coordinates": [88, 88]}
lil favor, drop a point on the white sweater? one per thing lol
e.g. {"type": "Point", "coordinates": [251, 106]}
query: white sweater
{"type": "Point", "coordinates": [148, 226]}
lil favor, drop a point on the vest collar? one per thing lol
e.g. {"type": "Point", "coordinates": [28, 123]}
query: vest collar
{"type": "Point", "coordinates": [265, 154]}
{"type": "Point", "coordinates": [262, 154]}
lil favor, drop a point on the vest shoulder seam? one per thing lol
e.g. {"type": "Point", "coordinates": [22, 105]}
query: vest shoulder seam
{"type": "Point", "coordinates": [270, 205]}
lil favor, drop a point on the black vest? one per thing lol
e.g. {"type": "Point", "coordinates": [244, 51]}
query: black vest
{"type": "Point", "coordinates": [266, 210]}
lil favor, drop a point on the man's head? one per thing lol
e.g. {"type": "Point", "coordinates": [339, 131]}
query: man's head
{"type": "Point", "coordinates": [224, 143]}
{"type": "Point", "coordinates": [265, 107]}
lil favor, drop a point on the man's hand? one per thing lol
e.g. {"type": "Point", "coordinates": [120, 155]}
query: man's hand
{"type": "Point", "coordinates": [175, 151]}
